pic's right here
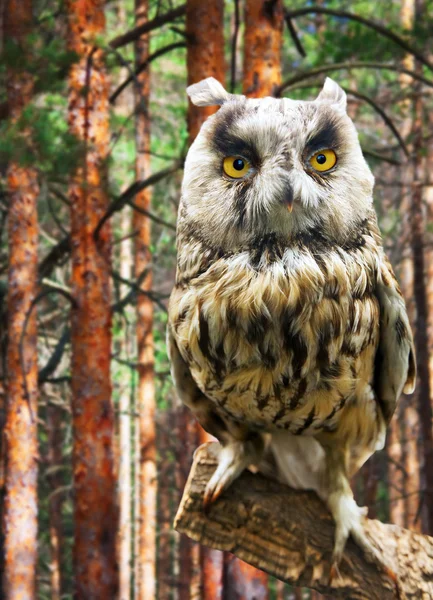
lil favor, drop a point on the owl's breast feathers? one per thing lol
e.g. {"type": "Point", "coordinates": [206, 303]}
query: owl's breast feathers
{"type": "Point", "coordinates": [285, 335]}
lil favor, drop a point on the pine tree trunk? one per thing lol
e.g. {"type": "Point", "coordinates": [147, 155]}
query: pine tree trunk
{"type": "Point", "coordinates": [95, 481]}
{"type": "Point", "coordinates": [164, 517]}
{"type": "Point", "coordinates": [55, 502]}
{"type": "Point", "coordinates": [125, 347]}
{"type": "Point", "coordinates": [146, 386]}
{"type": "Point", "coordinates": [20, 435]}
{"type": "Point", "coordinates": [424, 392]}
{"type": "Point", "coordinates": [403, 472]}
{"type": "Point", "coordinates": [410, 420]}
{"type": "Point", "coordinates": [188, 550]}
{"type": "Point", "coordinates": [125, 431]}
{"type": "Point", "coordinates": [264, 20]}
{"type": "Point", "coordinates": [205, 53]}
{"type": "Point", "coordinates": [244, 582]}
{"type": "Point", "coordinates": [428, 201]}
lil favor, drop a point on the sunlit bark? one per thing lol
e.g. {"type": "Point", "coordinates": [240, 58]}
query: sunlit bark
{"type": "Point", "coordinates": [20, 435]}
{"type": "Point", "coordinates": [205, 53]}
{"type": "Point", "coordinates": [146, 567]}
{"type": "Point", "coordinates": [95, 495]}
{"type": "Point", "coordinates": [264, 20]}
{"type": "Point", "coordinates": [55, 500]}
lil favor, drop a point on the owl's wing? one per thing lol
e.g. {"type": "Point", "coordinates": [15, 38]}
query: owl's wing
{"type": "Point", "coordinates": [395, 369]}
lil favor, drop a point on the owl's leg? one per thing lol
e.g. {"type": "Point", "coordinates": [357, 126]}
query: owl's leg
{"type": "Point", "coordinates": [348, 516]}
{"type": "Point", "coordinates": [240, 446]}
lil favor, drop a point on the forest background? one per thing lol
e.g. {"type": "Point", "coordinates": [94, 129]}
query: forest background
{"type": "Point", "coordinates": [94, 128]}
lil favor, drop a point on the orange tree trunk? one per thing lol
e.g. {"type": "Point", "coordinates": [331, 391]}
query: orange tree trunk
{"type": "Point", "coordinates": [205, 58]}
{"type": "Point", "coordinates": [95, 507]}
{"type": "Point", "coordinates": [146, 568]}
{"type": "Point", "coordinates": [410, 426]}
{"type": "Point", "coordinates": [418, 227]}
{"type": "Point", "coordinates": [264, 20]}
{"type": "Point", "coordinates": [243, 581]}
{"type": "Point", "coordinates": [165, 487]}
{"type": "Point", "coordinates": [187, 436]}
{"type": "Point", "coordinates": [20, 501]}
{"type": "Point", "coordinates": [55, 503]}
{"type": "Point", "coordinates": [205, 53]}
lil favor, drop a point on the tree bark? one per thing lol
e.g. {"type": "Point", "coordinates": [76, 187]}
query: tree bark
{"type": "Point", "coordinates": [20, 434]}
{"type": "Point", "coordinates": [189, 551]}
{"type": "Point", "coordinates": [125, 430]}
{"type": "Point", "coordinates": [264, 21]}
{"type": "Point", "coordinates": [407, 412]}
{"type": "Point", "coordinates": [95, 481]}
{"type": "Point", "coordinates": [290, 535]}
{"type": "Point", "coordinates": [205, 53]}
{"type": "Point", "coordinates": [55, 502]}
{"type": "Point", "coordinates": [424, 384]}
{"type": "Point", "coordinates": [165, 487]}
{"type": "Point", "coordinates": [243, 581]}
{"type": "Point", "coordinates": [146, 569]}
{"type": "Point", "coordinates": [125, 347]}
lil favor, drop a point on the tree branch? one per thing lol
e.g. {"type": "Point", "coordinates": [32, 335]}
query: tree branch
{"type": "Point", "coordinates": [292, 14]}
{"type": "Point", "coordinates": [54, 257]}
{"type": "Point", "coordinates": [129, 194]}
{"type": "Point", "coordinates": [134, 34]}
{"type": "Point", "coordinates": [290, 534]}
{"type": "Point", "coordinates": [301, 76]}
{"type": "Point", "coordinates": [56, 357]}
{"type": "Point", "coordinates": [143, 66]}
{"type": "Point", "coordinates": [294, 35]}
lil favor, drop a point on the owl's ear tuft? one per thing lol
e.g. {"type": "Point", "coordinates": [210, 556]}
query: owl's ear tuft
{"type": "Point", "coordinates": [208, 92]}
{"type": "Point", "coordinates": [333, 94]}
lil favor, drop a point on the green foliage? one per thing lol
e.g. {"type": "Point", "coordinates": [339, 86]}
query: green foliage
{"type": "Point", "coordinates": [40, 138]}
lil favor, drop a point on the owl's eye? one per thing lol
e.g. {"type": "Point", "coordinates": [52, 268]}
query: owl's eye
{"type": "Point", "coordinates": [235, 166]}
{"type": "Point", "coordinates": [323, 160]}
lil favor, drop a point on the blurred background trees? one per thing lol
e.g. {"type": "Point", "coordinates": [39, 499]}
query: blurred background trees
{"type": "Point", "coordinates": [94, 128]}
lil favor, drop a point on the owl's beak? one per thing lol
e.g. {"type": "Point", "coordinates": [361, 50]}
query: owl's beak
{"type": "Point", "coordinates": [288, 199]}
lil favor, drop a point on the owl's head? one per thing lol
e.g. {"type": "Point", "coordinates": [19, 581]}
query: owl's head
{"type": "Point", "coordinates": [274, 165]}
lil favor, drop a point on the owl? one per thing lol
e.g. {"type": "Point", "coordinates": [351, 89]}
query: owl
{"type": "Point", "coordinates": [288, 335]}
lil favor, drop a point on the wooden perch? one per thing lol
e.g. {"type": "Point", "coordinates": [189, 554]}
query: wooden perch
{"type": "Point", "coordinates": [290, 533]}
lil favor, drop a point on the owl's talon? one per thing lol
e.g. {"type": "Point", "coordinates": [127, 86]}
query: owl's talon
{"type": "Point", "coordinates": [233, 458]}
{"type": "Point", "coordinates": [334, 572]}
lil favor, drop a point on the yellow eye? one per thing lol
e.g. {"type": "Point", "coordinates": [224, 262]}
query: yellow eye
{"type": "Point", "coordinates": [323, 160]}
{"type": "Point", "coordinates": [235, 166]}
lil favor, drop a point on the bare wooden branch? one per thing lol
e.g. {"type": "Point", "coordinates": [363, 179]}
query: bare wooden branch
{"type": "Point", "coordinates": [143, 67]}
{"type": "Point", "coordinates": [55, 257]}
{"type": "Point", "coordinates": [129, 194]}
{"type": "Point", "coordinates": [290, 533]}
{"type": "Point", "coordinates": [303, 75]}
{"type": "Point", "coordinates": [371, 24]}
{"type": "Point", "coordinates": [295, 37]}
{"type": "Point", "coordinates": [134, 34]}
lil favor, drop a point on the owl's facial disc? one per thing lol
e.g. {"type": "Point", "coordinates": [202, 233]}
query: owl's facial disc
{"type": "Point", "coordinates": [275, 165]}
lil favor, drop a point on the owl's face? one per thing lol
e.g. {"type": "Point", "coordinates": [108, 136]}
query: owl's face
{"type": "Point", "coordinates": [274, 165]}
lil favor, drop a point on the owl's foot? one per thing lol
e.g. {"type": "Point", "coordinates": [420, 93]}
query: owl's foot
{"type": "Point", "coordinates": [233, 458]}
{"type": "Point", "coordinates": [349, 518]}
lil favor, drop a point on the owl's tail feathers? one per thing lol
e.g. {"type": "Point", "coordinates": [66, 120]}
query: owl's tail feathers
{"type": "Point", "coordinates": [298, 461]}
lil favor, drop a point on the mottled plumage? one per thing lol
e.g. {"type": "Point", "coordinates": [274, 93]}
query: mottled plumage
{"type": "Point", "coordinates": [287, 329]}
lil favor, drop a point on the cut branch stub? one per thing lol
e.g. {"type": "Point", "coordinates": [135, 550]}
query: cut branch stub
{"type": "Point", "coordinates": [290, 534]}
